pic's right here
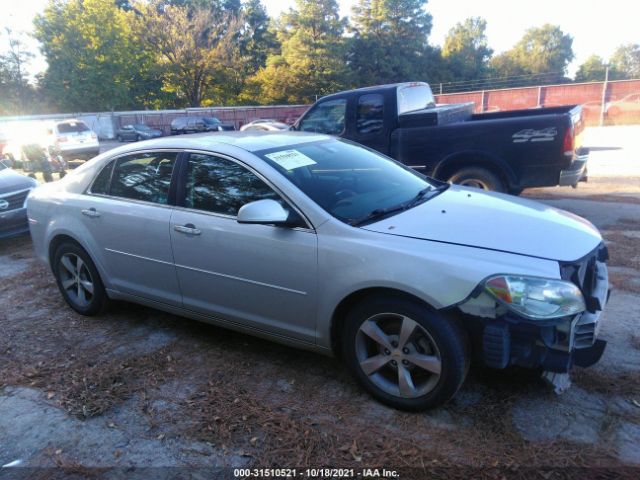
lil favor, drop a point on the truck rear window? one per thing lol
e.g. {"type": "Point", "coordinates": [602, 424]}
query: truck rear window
{"type": "Point", "coordinates": [415, 96]}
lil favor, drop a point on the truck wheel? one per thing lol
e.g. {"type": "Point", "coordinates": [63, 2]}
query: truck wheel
{"type": "Point", "coordinates": [78, 279]}
{"type": "Point", "coordinates": [404, 354]}
{"type": "Point", "coordinates": [478, 177]}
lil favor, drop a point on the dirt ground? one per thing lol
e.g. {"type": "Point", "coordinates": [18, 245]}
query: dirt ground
{"type": "Point", "coordinates": [135, 387]}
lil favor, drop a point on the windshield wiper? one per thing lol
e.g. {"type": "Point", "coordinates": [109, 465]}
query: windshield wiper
{"type": "Point", "coordinates": [426, 194]}
{"type": "Point", "coordinates": [378, 213]}
{"type": "Point", "coordinates": [422, 196]}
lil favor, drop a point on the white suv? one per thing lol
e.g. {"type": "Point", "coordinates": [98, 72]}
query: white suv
{"type": "Point", "coordinates": [74, 140]}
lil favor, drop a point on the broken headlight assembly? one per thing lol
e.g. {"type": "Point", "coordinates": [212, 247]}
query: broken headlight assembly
{"type": "Point", "coordinates": [534, 297]}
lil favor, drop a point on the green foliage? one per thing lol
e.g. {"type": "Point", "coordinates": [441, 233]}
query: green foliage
{"type": "Point", "coordinates": [125, 54]}
{"type": "Point", "coordinates": [592, 70]}
{"type": "Point", "coordinates": [95, 62]}
{"type": "Point", "coordinates": [466, 51]}
{"type": "Point", "coordinates": [542, 55]}
{"type": "Point", "coordinates": [389, 42]}
{"type": "Point", "coordinates": [311, 62]}
{"type": "Point", "coordinates": [192, 48]}
{"type": "Point", "coordinates": [625, 61]}
{"type": "Point", "coordinates": [16, 94]}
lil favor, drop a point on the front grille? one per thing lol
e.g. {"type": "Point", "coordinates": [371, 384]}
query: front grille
{"type": "Point", "coordinates": [591, 276]}
{"type": "Point", "coordinates": [15, 200]}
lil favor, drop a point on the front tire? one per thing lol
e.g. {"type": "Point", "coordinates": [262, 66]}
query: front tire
{"type": "Point", "coordinates": [405, 354]}
{"type": "Point", "coordinates": [478, 177]}
{"type": "Point", "coordinates": [79, 280]}
{"type": "Point", "coordinates": [119, 138]}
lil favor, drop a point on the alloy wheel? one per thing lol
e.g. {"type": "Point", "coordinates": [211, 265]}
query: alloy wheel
{"type": "Point", "coordinates": [398, 355]}
{"type": "Point", "coordinates": [76, 279]}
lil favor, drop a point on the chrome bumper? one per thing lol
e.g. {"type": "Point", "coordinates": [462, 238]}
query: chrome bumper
{"type": "Point", "coordinates": [576, 172]}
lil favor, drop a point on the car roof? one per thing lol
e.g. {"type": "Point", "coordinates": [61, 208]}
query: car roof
{"type": "Point", "coordinates": [251, 141]}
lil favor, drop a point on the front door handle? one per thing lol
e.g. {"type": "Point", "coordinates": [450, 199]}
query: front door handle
{"type": "Point", "coordinates": [189, 229]}
{"type": "Point", "coordinates": [91, 212]}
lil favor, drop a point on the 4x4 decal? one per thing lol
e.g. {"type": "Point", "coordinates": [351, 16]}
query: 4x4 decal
{"type": "Point", "coordinates": [530, 135]}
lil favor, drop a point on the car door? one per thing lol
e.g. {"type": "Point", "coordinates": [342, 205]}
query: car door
{"type": "Point", "coordinates": [370, 128]}
{"type": "Point", "coordinates": [127, 213]}
{"type": "Point", "coordinates": [260, 276]}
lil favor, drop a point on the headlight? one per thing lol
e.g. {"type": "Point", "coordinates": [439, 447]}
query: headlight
{"type": "Point", "coordinates": [536, 298]}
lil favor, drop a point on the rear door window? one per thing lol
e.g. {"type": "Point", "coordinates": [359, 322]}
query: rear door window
{"type": "Point", "coordinates": [144, 176]}
{"type": "Point", "coordinates": [369, 116]}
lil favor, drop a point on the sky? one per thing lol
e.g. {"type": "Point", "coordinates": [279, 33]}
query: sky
{"type": "Point", "coordinates": [596, 27]}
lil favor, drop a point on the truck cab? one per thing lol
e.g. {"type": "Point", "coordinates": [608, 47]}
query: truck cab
{"type": "Point", "coordinates": [501, 151]}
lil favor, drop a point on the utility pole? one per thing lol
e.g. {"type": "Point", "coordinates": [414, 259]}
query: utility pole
{"type": "Point", "coordinates": [604, 95]}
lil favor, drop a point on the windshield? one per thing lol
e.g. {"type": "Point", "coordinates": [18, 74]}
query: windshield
{"type": "Point", "coordinates": [347, 180]}
{"type": "Point", "coordinates": [211, 121]}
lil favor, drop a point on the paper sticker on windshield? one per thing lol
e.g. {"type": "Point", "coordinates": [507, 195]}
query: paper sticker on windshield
{"type": "Point", "coordinates": [290, 159]}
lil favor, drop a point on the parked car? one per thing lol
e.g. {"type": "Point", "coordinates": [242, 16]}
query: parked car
{"type": "Point", "coordinates": [401, 275]}
{"type": "Point", "coordinates": [501, 151]}
{"type": "Point", "coordinates": [265, 125]}
{"type": "Point", "coordinates": [14, 189]}
{"type": "Point", "coordinates": [137, 132]}
{"type": "Point", "coordinates": [628, 105]}
{"type": "Point", "coordinates": [74, 140]}
{"type": "Point", "coordinates": [182, 125]}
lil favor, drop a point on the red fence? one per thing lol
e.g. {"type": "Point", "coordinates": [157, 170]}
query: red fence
{"type": "Point", "coordinates": [621, 99]}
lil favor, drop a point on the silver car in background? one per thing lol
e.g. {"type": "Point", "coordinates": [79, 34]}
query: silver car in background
{"type": "Point", "coordinates": [322, 244]}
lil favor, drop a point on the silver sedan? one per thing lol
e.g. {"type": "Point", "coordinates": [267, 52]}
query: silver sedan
{"type": "Point", "coordinates": [315, 242]}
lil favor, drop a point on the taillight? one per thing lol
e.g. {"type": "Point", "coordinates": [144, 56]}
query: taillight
{"type": "Point", "coordinates": [568, 144]}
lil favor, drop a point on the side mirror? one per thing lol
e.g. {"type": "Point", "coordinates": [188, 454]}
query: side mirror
{"type": "Point", "coordinates": [263, 212]}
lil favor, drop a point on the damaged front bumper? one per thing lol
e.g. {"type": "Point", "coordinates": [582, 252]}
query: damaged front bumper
{"type": "Point", "coordinates": [503, 338]}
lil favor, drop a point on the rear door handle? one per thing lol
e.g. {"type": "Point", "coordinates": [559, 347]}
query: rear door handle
{"type": "Point", "coordinates": [189, 229]}
{"type": "Point", "coordinates": [91, 212]}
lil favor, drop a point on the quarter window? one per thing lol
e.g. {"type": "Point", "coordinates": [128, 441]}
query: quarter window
{"type": "Point", "coordinates": [221, 186]}
{"type": "Point", "coordinates": [101, 183]}
{"type": "Point", "coordinates": [326, 117]}
{"type": "Point", "coordinates": [144, 176]}
{"type": "Point", "coordinates": [370, 113]}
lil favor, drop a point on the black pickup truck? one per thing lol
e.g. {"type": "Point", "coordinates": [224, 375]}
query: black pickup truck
{"type": "Point", "coordinates": [502, 151]}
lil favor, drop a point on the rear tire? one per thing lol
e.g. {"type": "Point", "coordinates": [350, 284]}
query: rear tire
{"type": "Point", "coordinates": [78, 279]}
{"type": "Point", "coordinates": [478, 177]}
{"type": "Point", "coordinates": [424, 362]}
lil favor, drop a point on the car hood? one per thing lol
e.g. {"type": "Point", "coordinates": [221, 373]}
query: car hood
{"type": "Point", "coordinates": [12, 181]}
{"type": "Point", "coordinates": [472, 217]}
